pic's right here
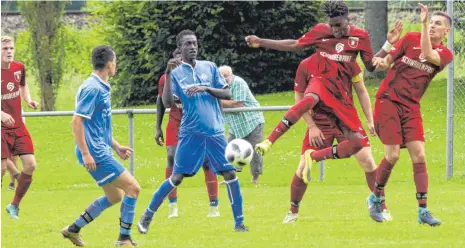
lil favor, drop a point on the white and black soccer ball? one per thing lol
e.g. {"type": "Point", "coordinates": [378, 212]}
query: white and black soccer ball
{"type": "Point", "coordinates": [239, 152]}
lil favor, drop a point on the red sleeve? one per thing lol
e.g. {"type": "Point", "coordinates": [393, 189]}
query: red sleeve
{"type": "Point", "coordinates": [161, 84]}
{"type": "Point", "coordinates": [313, 35]}
{"type": "Point", "coordinates": [446, 57]}
{"type": "Point", "coordinates": [399, 48]}
{"type": "Point", "coordinates": [300, 82]}
{"type": "Point", "coordinates": [366, 53]}
{"type": "Point", "coordinates": [23, 77]}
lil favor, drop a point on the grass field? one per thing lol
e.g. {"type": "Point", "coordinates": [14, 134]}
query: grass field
{"type": "Point", "coordinates": [333, 213]}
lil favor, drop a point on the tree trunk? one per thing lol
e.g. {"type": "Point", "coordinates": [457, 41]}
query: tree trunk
{"type": "Point", "coordinates": [376, 23]}
{"type": "Point", "coordinates": [45, 20]}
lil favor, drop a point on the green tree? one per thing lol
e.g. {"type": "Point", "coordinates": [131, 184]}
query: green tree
{"type": "Point", "coordinates": [144, 36]}
{"type": "Point", "coordinates": [45, 20]}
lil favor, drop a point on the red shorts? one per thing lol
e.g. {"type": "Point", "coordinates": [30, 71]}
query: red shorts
{"type": "Point", "coordinates": [172, 131]}
{"type": "Point", "coordinates": [16, 142]}
{"type": "Point", "coordinates": [345, 112]}
{"type": "Point", "coordinates": [397, 124]}
{"type": "Point", "coordinates": [328, 124]}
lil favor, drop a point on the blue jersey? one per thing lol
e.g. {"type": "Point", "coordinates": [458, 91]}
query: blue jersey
{"type": "Point", "coordinates": [94, 104]}
{"type": "Point", "coordinates": [201, 112]}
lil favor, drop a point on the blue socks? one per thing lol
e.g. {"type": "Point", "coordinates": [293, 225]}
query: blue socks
{"type": "Point", "coordinates": [235, 197]}
{"type": "Point", "coordinates": [127, 214]}
{"type": "Point", "coordinates": [162, 192]}
{"type": "Point", "coordinates": [93, 211]}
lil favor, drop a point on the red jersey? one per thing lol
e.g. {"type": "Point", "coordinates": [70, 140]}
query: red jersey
{"type": "Point", "coordinates": [411, 74]}
{"type": "Point", "coordinates": [175, 112]}
{"type": "Point", "coordinates": [308, 68]}
{"type": "Point", "coordinates": [12, 79]}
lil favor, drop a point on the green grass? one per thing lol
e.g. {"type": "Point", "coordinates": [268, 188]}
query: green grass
{"type": "Point", "coordinates": [333, 213]}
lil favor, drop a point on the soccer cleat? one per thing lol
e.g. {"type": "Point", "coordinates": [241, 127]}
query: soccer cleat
{"type": "Point", "coordinates": [386, 215]}
{"type": "Point", "coordinates": [11, 186]}
{"type": "Point", "coordinates": [125, 243]}
{"type": "Point", "coordinates": [262, 147]}
{"type": "Point", "coordinates": [213, 211]}
{"type": "Point", "coordinates": [172, 210]}
{"type": "Point", "coordinates": [144, 224]}
{"type": "Point", "coordinates": [13, 211]}
{"type": "Point", "coordinates": [425, 217]}
{"type": "Point", "coordinates": [308, 166]}
{"type": "Point", "coordinates": [241, 228]}
{"type": "Point", "coordinates": [374, 207]}
{"type": "Point", "coordinates": [75, 238]}
{"type": "Point", "coordinates": [290, 217]}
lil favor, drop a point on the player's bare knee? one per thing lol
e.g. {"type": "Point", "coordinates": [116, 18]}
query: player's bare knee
{"type": "Point", "coordinates": [115, 198]}
{"type": "Point", "coordinates": [4, 166]}
{"type": "Point", "coordinates": [392, 157]}
{"type": "Point", "coordinates": [229, 175]}
{"type": "Point", "coordinates": [300, 169]}
{"type": "Point", "coordinates": [419, 157]}
{"type": "Point", "coordinates": [176, 179]}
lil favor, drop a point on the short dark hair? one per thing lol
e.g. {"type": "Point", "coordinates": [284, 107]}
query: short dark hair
{"type": "Point", "coordinates": [448, 18]}
{"type": "Point", "coordinates": [182, 34]}
{"type": "Point", "coordinates": [176, 52]}
{"type": "Point", "coordinates": [335, 8]}
{"type": "Point", "coordinates": [101, 55]}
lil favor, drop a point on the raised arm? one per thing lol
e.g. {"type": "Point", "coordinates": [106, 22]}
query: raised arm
{"type": "Point", "coordinates": [280, 45]}
{"type": "Point", "coordinates": [430, 55]}
{"type": "Point", "coordinates": [168, 98]}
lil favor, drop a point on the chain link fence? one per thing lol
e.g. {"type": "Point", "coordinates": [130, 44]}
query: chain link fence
{"type": "Point", "coordinates": [456, 148]}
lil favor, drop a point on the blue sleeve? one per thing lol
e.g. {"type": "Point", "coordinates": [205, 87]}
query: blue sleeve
{"type": "Point", "coordinates": [175, 86]}
{"type": "Point", "coordinates": [218, 79]}
{"type": "Point", "coordinates": [86, 101]}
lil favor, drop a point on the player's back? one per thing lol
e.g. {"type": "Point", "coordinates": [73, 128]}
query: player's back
{"type": "Point", "coordinates": [12, 79]}
{"type": "Point", "coordinates": [201, 112]}
{"type": "Point", "coordinates": [407, 80]}
{"type": "Point", "coordinates": [94, 104]}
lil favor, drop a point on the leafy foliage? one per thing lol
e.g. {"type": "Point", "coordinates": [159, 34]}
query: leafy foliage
{"type": "Point", "coordinates": [144, 36]}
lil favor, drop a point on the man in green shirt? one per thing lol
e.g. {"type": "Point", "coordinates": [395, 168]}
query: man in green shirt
{"type": "Point", "coordinates": [244, 125]}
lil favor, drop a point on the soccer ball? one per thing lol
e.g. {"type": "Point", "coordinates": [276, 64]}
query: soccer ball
{"type": "Point", "coordinates": [239, 152]}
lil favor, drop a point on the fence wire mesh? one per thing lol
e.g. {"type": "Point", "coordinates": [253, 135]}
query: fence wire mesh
{"type": "Point", "coordinates": [459, 89]}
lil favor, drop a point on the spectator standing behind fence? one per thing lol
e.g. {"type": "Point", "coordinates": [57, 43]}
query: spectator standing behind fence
{"type": "Point", "coordinates": [244, 125]}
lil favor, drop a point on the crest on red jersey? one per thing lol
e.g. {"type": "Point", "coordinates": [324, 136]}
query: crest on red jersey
{"type": "Point", "coordinates": [422, 58]}
{"type": "Point", "coordinates": [353, 41]}
{"type": "Point", "coordinates": [17, 75]}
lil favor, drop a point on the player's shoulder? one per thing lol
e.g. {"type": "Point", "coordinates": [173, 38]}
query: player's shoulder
{"type": "Point", "coordinates": [322, 27]}
{"type": "Point", "coordinates": [162, 79]}
{"type": "Point", "coordinates": [91, 85]}
{"type": "Point", "coordinates": [358, 32]}
{"type": "Point", "coordinates": [306, 61]}
{"type": "Point", "coordinates": [16, 65]}
{"type": "Point", "coordinates": [206, 64]}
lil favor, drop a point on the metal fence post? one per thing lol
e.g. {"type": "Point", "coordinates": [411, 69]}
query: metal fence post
{"type": "Point", "coordinates": [322, 171]}
{"type": "Point", "coordinates": [131, 139]}
{"type": "Point", "coordinates": [450, 100]}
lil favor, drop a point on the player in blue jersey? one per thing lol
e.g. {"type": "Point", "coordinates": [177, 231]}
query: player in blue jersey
{"type": "Point", "coordinates": [92, 128]}
{"type": "Point", "coordinates": [199, 86]}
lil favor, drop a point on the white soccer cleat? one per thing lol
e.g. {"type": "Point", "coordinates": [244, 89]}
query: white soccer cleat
{"type": "Point", "coordinates": [213, 211]}
{"type": "Point", "coordinates": [172, 210]}
{"type": "Point", "coordinates": [290, 217]}
{"type": "Point", "coordinates": [386, 215]}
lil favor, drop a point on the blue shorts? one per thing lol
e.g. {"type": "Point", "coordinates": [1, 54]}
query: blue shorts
{"type": "Point", "coordinates": [107, 171]}
{"type": "Point", "coordinates": [193, 149]}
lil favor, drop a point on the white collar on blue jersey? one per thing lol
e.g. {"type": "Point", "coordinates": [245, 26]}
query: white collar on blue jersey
{"type": "Point", "coordinates": [190, 64]}
{"type": "Point", "coordinates": [101, 81]}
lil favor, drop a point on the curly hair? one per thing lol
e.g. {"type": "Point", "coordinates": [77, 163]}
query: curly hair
{"type": "Point", "coordinates": [335, 8]}
{"type": "Point", "coordinates": [182, 34]}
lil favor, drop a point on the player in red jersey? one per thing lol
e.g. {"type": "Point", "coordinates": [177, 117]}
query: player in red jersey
{"type": "Point", "coordinates": [323, 129]}
{"type": "Point", "coordinates": [172, 130]}
{"type": "Point", "coordinates": [16, 139]}
{"type": "Point", "coordinates": [337, 44]}
{"type": "Point", "coordinates": [415, 60]}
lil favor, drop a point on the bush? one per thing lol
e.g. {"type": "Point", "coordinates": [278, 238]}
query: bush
{"type": "Point", "coordinates": [143, 35]}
